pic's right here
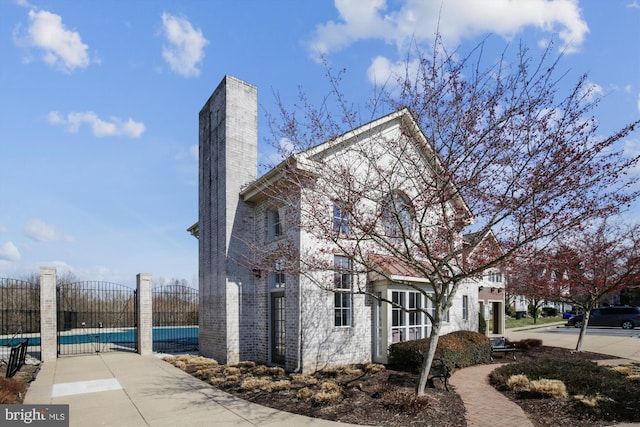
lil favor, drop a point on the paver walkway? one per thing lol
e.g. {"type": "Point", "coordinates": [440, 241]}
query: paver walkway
{"type": "Point", "coordinates": [484, 404]}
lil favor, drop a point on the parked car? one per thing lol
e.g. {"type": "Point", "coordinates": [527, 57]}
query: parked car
{"type": "Point", "coordinates": [626, 317]}
{"type": "Point", "coordinates": [569, 314]}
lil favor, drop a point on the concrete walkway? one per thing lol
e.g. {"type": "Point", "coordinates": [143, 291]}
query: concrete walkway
{"type": "Point", "coordinates": [128, 390]}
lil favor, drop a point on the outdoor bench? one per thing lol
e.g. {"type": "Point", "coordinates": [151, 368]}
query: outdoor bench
{"type": "Point", "coordinates": [16, 359]}
{"type": "Point", "coordinates": [499, 345]}
{"type": "Point", "coordinates": [439, 370]}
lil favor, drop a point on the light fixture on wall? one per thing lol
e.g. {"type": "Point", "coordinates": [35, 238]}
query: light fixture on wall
{"type": "Point", "coordinates": [257, 273]}
{"type": "Point", "coordinates": [493, 289]}
{"type": "Point", "coordinates": [499, 290]}
{"type": "Point", "coordinates": [480, 287]}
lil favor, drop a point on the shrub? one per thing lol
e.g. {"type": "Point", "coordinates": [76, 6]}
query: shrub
{"type": "Point", "coordinates": [278, 385]}
{"type": "Point", "coordinates": [350, 370]}
{"type": "Point", "coordinates": [246, 364]}
{"type": "Point", "coordinates": [518, 382]}
{"type": "Point", "coordinates": [260, 370]}
{"type": "Point", "coordinates": [231, 370]}
{"type": "Point", "coordinates": [304, 379]}
{"type": "Point", "coordinates": [510, 310]}
{"type": "Point", "coordinates": [276, 371]}
{"type": "Point", "coordinates": [304, 393]}
{"type": "Point", "coordinates": [482, 324]}
{"type": "Point", "coordinates": [528, 343]}
{"type": "Point", "coordinates": [372, 368]}
{"type": "Point", "coordinates": [254, 383]}
{"type": "Point", "coordinates": [619, 399]}
{"type": "Point", "coordinates": [403, 401]}
{"type": "Point", "coordinates": [458, 349]}
{"type": "Point", "coordinates": [549, 311]}
{"type": "Point", "coordinates": [330, 394]}
{"type": "Point", "coordinates": [546, 387]}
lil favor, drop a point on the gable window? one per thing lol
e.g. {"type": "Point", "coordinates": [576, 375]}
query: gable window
{"type": "Point", "coordinates": [465, 307]}
{"type": "Point", "coordinates": [495, 276]}
{"type": "Point", "coordinates": [275, 222]}
{"type": "Point", "coordinates": [397, 215]}
{"type": "Point", "coordinates": [342, 282]}
{"type": "Point", "coordinates": [341, 218]}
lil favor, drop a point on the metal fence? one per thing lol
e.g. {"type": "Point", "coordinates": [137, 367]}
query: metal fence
{"type": "Point", "coordinates": [19, 314]}
{"type": "Point", "coordinates": [175, 318]}
{"type": "Point", "coordinates": [96, 317]}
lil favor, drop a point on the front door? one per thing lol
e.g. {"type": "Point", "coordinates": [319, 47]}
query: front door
{"type": "Point", "coordinates": [277, 328]}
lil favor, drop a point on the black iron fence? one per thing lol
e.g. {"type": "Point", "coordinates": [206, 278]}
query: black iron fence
{"type": "Point", "coordinates": [20, 314]}
{"type": "Point", "coordinates": [96, 317]}
{"type": "Point", "coordinates": [175, 318]}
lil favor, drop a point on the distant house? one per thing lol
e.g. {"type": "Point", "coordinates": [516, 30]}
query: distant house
{"type": "Point", "coordinates": [268, 314]}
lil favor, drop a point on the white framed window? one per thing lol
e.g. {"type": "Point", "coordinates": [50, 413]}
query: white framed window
{"type": "Point", "coordinates": [495, 276]}
{"type": "Point", "coordinates": [408, 322]}
{"type": "Point", "coordinates": [342, 282]}
{"type": "Point", "coordinates": [341, 218]}
{"type": "Point", "coordinates": [465, 307]}
{"type": "Point", "coordinates": [275, 222]}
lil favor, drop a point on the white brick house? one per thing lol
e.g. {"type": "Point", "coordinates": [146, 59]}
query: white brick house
{"type": "Point", "coordinates": [254, 304]}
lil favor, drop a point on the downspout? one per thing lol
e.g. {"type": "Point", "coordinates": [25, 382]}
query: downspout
{"type": "Point", "coordinates": [299, 367]}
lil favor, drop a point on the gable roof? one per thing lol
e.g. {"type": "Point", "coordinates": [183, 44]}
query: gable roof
{"type": "Point", "coordinates": [255, 191]}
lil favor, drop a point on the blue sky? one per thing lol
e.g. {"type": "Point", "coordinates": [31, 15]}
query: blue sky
{"type": "Point", "coordinates": [100, 102]}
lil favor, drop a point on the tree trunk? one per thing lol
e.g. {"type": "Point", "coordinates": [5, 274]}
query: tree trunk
{"type": "Point", "coordinates": [428, 358]}
{"type": "Point", "coordinates": [583, 330]}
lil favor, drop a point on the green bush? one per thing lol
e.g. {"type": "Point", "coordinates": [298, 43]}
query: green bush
{"type": "Point", "coordinates": [549, 311]}
{"type": "Point", "coordinates": [458, 350]}
{"type": "Point", "coordinates": [482, 324]}
{"type": "Point", "coordinates": [510, 310]}
{"type": "Point", "coordinates": [527, 343]}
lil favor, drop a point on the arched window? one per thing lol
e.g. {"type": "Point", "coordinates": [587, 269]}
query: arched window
{"type": "Point", "coordinates": [397, 215]}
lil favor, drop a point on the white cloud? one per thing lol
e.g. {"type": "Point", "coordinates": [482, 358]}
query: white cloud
{"type": "Point", "coordinates": [9, 252]}
{"type": "Point", "coordinates": [40, 231]}
{"type": "Point", "coordinates": [100, 127]}
{"type": "Point", "coordinates": [455, 20]}
{"type": "Point", "coordinates": [383, 72]}
{"type": "Point", "coordinates": [184, 50]}
{"type": "Point", "coordinates": [61, 48]}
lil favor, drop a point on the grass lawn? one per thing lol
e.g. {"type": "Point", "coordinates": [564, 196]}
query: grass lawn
{"type": "Point", "coordinates": [528, 321]}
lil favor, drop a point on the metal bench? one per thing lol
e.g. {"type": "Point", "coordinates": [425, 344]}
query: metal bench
{"type": "Point", "coordinates": [439, 370]}
{"type": "Point", "coordinates": [499, 345]}
{"type": "Point", "coordinates": [17, 357]}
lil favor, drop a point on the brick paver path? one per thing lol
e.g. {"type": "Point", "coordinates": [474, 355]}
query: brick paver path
{"type": "Point", "coordinates": [484, 404]}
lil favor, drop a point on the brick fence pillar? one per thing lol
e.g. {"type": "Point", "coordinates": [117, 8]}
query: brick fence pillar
{"type": "Point", "coordinates": [145, 314]}
{"type": "Point", "coordinates": [48, 315]}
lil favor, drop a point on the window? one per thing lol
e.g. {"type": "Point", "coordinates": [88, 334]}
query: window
{"type": "Point", "coordinates": [341, 218]}
{"type": "Point", "coordinates": [342, 281]}
{"type": "Point", "coordinates": [275, 222]}
{"type": "Point", "coordinates": [495, 277]}
{"type": "Point", "coordinates": [465, 307]}
{"type": "Point", "coordinates": [397, 215]}
{"type": "Point", "coordinates": [277, 277]}
{"type": "Point", "coordinates": [408, 322]}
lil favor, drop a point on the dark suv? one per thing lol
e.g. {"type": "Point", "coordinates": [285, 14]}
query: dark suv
{"type": "Point", "coordinates": [625, 317]}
